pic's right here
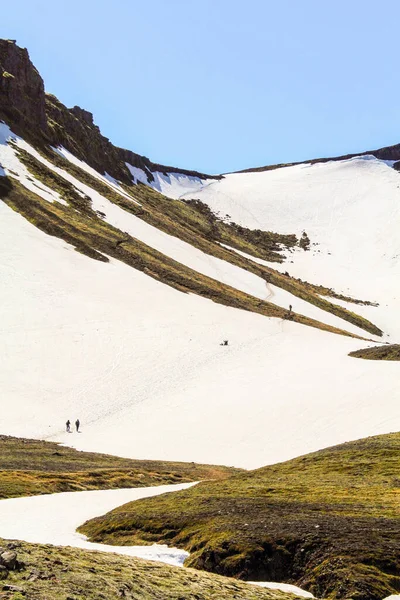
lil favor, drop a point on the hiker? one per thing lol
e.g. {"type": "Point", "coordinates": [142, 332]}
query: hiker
{"type": "Point", "coordinates": [77, 423]}
{"type": "Point", "coordinates": [290, 309]}
{"type": "Point", "coordinates": [68, 426]}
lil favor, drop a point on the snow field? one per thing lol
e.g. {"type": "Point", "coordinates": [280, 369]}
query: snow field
{"type": "Point", "coordinates": [181, 251]}
{"type": "Point", "coordinates": [141, 365]}
{"type": "Point", "coordinates": [351, 212]}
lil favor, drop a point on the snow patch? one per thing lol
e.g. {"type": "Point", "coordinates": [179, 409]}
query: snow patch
{"type": "Point", "coordinates": [284, 587]}
{"type": "Point", "coordinates": [11, 166]}
{"type": "Point", "coordinates": [138, 174]}
{"type": "Point", "coordinates": [174, 185]}
{"type": "Point", "coordinates": [54, 518]}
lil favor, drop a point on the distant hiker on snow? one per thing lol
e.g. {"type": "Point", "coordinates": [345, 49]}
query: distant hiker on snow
{"type": "Point", "coordinates": [289, 314]}
{"type": "Point", "coordinates": [68, 426]}
{"type": "Point", "coordinates": [224, 343]}
{"type": "Point", "coordinates": [77, 423]}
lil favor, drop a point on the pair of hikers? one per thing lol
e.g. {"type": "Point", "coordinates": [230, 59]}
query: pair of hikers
{"type": "Point", "coordinates": [68, 425]}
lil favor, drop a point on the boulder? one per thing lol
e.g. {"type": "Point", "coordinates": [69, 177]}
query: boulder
{"type": "Point", "coordinates": [9, 560]}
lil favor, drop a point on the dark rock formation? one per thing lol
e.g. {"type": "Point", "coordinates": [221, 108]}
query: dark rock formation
{"type": "Point", "coordinates": [9, 560]}
{"type": "Point", "coordinates": [21, 89]}
{"type": "Point", "coordinates": [75, 130]}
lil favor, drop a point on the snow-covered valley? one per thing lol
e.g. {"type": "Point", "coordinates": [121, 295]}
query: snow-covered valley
{"type": "Point", "coordinates": [141, 364]}
{"type": "Point", "coordinates": [193, 318]}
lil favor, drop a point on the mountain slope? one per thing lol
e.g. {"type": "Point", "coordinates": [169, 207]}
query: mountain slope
{"type": "Point", "coordinates": [126, 332]}
{"type": "Point", "coordinates": [328, 522]}
{"type": "Point", "coordinates": [351, 212]}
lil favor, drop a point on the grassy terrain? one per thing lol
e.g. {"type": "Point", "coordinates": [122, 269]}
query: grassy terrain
{"type": "Point", "coordinates": [80, 226]}
{"type": "Point", "coordinates": [328, 522]}
{"type": "Point", "coordinates": [29, 467]}
{"type": "Point", "coordinates": [390, 352]}
{"type": "Point", "coordinates": [53, 573]}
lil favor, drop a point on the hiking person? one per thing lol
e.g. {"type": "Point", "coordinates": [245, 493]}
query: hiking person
{"type": "Point", "coordinates": [68, 426]}
{"type": "Point", "coordinates": [77, 423]}
{"type": "Point", "coordinates": [290, 309]}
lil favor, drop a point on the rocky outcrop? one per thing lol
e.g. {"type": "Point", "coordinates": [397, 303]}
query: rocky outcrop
{"type": "Point", "coordinates": [22, 97]}
{"type": "Point", "coordinates": [75, 129]}
{"type": "Point", "coordinates": [9, 560]}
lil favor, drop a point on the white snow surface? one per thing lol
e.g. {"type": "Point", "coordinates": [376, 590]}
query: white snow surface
{"type": "Point", "coordinates": [176, 183]}
{"type": "Point", "coordinates": [284, 587]}
{"type": "Point", "coordinates": [173, 185]}
{"type": "Point", "coordinates": [54, 518]}
{"type": "Point", "coordinates": [137, 174]}
{"type": "Point", "coordinates": [141, 365]}
{"type": "Point", "coordinates": [350, 210]}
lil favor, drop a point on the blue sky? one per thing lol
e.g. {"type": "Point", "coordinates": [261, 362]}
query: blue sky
{"type": "Point", "coordinates": [221, 85]}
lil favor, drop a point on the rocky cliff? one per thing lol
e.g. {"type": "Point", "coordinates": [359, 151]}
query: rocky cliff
{"type": "Point", "coordinates": [22, 97]}
{"type": "Point", "coordinates": [43, 119]}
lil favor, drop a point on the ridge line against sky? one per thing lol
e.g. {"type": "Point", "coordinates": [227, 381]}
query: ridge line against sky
{"type": "Point", "coordinates": [217, 85]}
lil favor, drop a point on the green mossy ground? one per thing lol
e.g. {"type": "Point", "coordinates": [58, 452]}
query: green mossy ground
{"type": "Point", "coordinates": [328, 522]}
{"type": "Point", "coordinates": [30, 467]}
{"type": "Point", "coordinates": [390, 352]}
{"type": "Point", "coordinates": [53, 573]}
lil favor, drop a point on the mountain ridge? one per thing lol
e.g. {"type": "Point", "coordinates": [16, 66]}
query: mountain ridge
{"type": "Point", "coordinates": [32, 111]}
{"type": "Point", "coordinates": [36, 114]}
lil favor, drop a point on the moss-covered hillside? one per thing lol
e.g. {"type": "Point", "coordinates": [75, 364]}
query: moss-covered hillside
{"type": "Point", "coordinates": [29, 467]}
{"type": "Point", "coordinates": [328, 522]}
{"type": "Point", "coordinates": [389, 352]}
{"type": "Point", "coordinates": [52, 573]}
